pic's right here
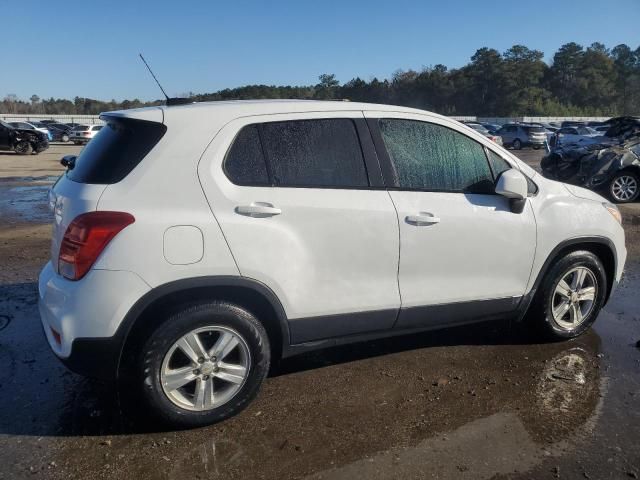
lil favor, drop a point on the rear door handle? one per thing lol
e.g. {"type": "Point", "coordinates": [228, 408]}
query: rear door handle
{"type": "Point", "coordinates": [258, 210]}
{"type": "Point", "coordinates": [422, 219]}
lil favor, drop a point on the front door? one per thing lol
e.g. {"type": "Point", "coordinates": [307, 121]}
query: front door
{"type": "Point", "coordinates": [463, 253]}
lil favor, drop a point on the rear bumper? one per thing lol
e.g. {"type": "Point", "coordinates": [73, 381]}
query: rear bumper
{"type": "Point", "coordinates": [86, 315]}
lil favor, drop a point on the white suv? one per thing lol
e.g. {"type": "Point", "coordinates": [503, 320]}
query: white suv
{"type": "Point", "coordinates": [194, 245]}
{"type": "Point", "coordinates": [84, 133]}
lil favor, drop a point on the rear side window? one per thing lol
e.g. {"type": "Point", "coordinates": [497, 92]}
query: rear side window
{"type": "Point", "coordinates": [432, 157]}
{"type": "Point", "coordinates": [298, 153]}
{"type": "Point", "coordinates": [244, 163]}
{"type": "Point", "coordinates": [320, 153]}
{"type": "Point", "coordinates": [116, 150]}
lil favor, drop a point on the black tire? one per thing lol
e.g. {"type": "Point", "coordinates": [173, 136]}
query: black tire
{"type": "Point", "coordinates": [631, 179]}
{"type": "Point", "coordinates": [146, 373]}
{"type": "Point", "coordinates": [517, 144]}
{"type": "Point", "coordinates": [23, 148]}
{"type": "Point", "coordinates": [540, 314]}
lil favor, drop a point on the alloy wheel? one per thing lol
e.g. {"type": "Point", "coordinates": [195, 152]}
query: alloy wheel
{"type": "Point", "coordinates": [574, 297]}
{"type": "Point", "coordinates": [205, 368]}
{"type": "Point", "coordinates": [624, 188]}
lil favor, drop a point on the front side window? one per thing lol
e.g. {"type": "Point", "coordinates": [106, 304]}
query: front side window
{"type": "Point", "coordinates": [498, 164]}
{"type": "Point", "coordinates": [433, 157]}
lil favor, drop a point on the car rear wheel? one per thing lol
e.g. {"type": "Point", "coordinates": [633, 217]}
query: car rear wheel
{"type": "Point", "coordinates": [517, 144]}
{"type": "Point", "coordinates": [203, 365]}
{"type": "Point", "coordinates": [65, 138]}
{"type": "Point", "coordinates": [23, 148]}
{"type": "Point", "coordinates": [570, 296]}
{"type": "Point", "coordinates": [624, 187]}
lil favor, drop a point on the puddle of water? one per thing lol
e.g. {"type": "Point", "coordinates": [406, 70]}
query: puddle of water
{"type": "Point", "coordinates": [25, 203]}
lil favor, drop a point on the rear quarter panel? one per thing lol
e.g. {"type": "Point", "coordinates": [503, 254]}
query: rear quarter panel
{"type": "Point", "coordinates": [163, 191]}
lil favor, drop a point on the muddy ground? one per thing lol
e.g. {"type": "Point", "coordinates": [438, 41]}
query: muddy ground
{"type": "Point", "coordinates": [474, 402]}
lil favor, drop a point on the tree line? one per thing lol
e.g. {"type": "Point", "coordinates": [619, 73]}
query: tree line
{"type": "Point", "coordinates": [579, 81]}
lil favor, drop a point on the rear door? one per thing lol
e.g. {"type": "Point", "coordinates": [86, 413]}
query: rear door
{"type": "Point", "coordinates": [301, 203]}
{"type": "Point", "coordinates": [463, 253]}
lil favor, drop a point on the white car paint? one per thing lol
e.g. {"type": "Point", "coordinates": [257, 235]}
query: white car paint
{"type": "Point", "coordinates": [327, 252]}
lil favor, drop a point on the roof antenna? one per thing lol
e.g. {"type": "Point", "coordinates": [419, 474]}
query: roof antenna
{"type": "Point", "coordinates": [169, 101]}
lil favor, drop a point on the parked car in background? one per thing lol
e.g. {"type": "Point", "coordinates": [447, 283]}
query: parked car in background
{"type": "Point", "coordinates": [609, 164]}
{"type": "Point", "coordinates": [60, 132]}
{"type": "Point", "coordinates": [492, 127]}
{"type": "Point", "coordinates": [518, 135]}
{"type": "Point", "coordinates": [579, 135]}
{"type": "Point", "coordinates": [185, 297]}
{"type": "Point", "coordinates": [478, 127]}
{"type": "Point", "coordinates": [83, 133]}
{"type": "Point", "coordinates": [47, 122]}
{"type": "Point", "coordinates": [549, 127]}
{"type": "Point", "coordinates": [22, 140]}
{"type": "Point", "coordinates": [31, 126]}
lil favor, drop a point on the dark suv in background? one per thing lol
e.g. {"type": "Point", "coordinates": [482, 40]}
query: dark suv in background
{"type": "Point", "coordinates": [516, 136]}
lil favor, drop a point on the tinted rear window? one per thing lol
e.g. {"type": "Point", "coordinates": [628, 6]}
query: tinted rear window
{"type": "Point", "coordinates": [315, 153]}
{"type": "Point", "coordinates": [534, 129]}
{"type": "Point", "coordinates": [298, 153]}
{"type": "Point", "coordinates": [116, 150]}
{"type": "Point", "coordinates": [245, 164]}
{"type": "Point", "coordinates": [82, 128]}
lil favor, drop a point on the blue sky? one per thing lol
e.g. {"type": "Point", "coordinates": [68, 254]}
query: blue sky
{"type": "Point", "coordinates": [90, 48]}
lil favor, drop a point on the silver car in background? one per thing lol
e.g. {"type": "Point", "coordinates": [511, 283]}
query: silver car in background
{"type": "Point", "coordinates": [518, 135]}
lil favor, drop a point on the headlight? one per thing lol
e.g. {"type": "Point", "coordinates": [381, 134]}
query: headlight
{"type": "Point", "coordinates": [613, 210]}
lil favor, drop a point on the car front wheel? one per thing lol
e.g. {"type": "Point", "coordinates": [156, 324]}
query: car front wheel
{"type": "Point", "coordinates": [624, 187]}
{"type": "Point", "coordinates": [203, 365]}
{"type": "Point", "coordinates": [23, 148]}
{"type": "Point", "coordinates": [517, 144]}
{"type": "Point", "coordinates": [570, 296]}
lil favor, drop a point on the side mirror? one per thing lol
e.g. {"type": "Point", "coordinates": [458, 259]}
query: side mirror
{"type": "Point", "coordinates": [513, 185]}
{"type": "Point", "coordinates": [68, 161]}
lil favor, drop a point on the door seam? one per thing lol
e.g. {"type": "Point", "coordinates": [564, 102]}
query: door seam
{"type": "Point", "coordinates": [399, 256]}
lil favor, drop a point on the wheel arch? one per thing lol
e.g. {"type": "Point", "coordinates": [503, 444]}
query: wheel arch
{"type": "Point", "coordinates": [602, 247]}
{"type": "Point", "coordinates": [150, 311]}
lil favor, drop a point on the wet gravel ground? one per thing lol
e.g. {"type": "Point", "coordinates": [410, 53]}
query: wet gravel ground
{"type": "Point", "coordinates": [477, 402]}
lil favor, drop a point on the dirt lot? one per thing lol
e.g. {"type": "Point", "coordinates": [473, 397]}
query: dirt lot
{"type": "Point", "coordinates": [475, 402]}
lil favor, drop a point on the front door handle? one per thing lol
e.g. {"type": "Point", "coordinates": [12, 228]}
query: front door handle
{"type": "Point", "coordinates": [422, 219]}
{"type": "Point", "coordinates": [258, 210]}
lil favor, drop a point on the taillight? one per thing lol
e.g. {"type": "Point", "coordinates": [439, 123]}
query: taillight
{"type": "Point", "coordinates": [85, 239]}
